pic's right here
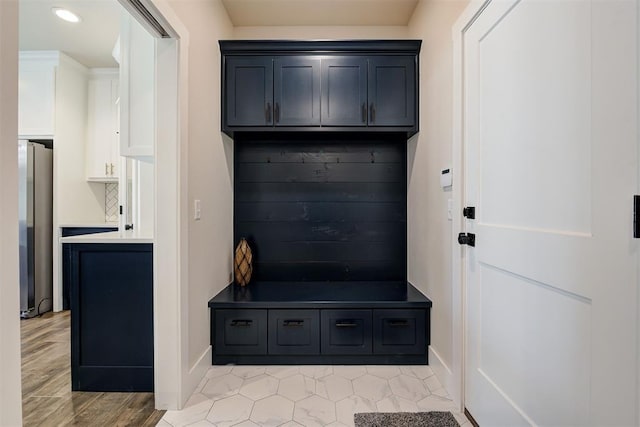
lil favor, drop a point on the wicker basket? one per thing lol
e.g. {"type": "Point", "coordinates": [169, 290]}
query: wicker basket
{"type": "Point", "coordinates": [242, 266]}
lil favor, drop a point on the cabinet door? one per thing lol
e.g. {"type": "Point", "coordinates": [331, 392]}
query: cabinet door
{"type": "Point", "coordinates": [392, 85]}
{"type": "Point", "coordinates": [344, 91]}
{"type": "Point", "coordinates": [102, 138]}
{"type": "Point", "coordinates": [297, 91]}
{"type": "Point", "coordinates": [249, 91]}
{"type": "Point", "coordinates": [137, 89]}
{"type": "Point", "coordinates": [112, 322]}
{"type": "Point", "coordinates": [36, 97]}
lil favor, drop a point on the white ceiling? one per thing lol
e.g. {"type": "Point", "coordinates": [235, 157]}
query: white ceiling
{"type": "Point", "coordinates": [89, 42]}
{"type": "Point", "coordinates": [319, 12]}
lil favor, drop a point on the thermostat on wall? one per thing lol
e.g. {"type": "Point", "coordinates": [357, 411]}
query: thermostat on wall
{"type": "Point", "coordinates": [446, 178]}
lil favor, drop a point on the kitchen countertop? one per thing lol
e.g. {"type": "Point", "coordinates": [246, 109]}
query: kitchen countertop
{"type": "Point", "coordinates": [130, 236]}
{"type": "Point", "coordinates": [88, 225]}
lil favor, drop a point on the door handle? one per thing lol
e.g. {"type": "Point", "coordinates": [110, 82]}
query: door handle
{"type": "Point", "coordinates": [106, 169]}
{"type": "Point", "coordinates": [364, 112]}
{"type": "Point", "coordinates": [467, 239]}
{"type": "Point", "coordinates": [111, 169]}
{"type": "Point", "coordinates": [372, 109]}
{"type": "Point", "coordinates": [469, 212]}
{"type": "Point", "coordinates": [267, 112]}
{"type": "Point", "coordinates": [277, 112]}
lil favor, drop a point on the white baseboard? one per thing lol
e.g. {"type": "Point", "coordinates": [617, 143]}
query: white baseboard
{"type": "Point", "coordinates": [196, 374]}
{"type": "Point", "coordinates": [444, 374]}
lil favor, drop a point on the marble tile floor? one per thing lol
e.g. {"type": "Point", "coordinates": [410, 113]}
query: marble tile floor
{"type": "Point", "coordinates": [308, 396]}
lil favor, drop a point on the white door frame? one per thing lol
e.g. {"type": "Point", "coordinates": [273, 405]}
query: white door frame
{"type": "Point", "coordinates": [457, 256]}
{"type": "Point", "coordinates": [173, 380]}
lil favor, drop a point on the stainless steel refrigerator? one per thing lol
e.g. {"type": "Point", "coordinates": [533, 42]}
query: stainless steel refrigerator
{"type": "Point", "coordinates": [35, 171]}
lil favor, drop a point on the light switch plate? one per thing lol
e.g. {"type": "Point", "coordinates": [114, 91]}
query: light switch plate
{"type": "Point", "coordinates": [196, 209]}
{"type": "Point", "coordinates": [446, 178]}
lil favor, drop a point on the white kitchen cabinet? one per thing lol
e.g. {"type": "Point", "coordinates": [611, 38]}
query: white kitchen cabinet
{"type": "Point", "coordinates": [137, 90]}
{"type": "Point", "coordinates": [103, 151]}
{"type": "Point", "coordinates": [37, 97]}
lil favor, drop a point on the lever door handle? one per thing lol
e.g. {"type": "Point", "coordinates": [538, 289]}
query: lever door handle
{"type": "Point", "coordinates": [468, 239]}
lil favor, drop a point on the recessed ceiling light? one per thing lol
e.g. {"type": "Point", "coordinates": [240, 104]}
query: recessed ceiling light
{"type": "Point", "coordinates": [65, 14]}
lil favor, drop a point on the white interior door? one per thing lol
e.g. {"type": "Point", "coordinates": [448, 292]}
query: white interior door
{"type": "Point", "coordinates": [551, 165]}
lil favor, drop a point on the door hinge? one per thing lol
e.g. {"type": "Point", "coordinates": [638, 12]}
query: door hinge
{"type": "Point", "coordinates": [636, 219]}
{"type": "Point", "coordinates": [467, 239]}
{"type": "Point", "coordinates": [469, 212]}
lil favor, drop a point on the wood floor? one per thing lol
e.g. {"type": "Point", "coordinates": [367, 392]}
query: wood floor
{"type": "Point", "coordinates": [47, 399]}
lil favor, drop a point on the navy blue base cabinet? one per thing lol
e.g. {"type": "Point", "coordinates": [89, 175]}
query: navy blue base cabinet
{"type": "Point", "coordinates": [66, 257]}
{"type": "Point", "coordinates": [320, 323]}
{"type": "Point", "coordinates": [111, 317]}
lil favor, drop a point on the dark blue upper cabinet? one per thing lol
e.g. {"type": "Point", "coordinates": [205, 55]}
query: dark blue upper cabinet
{"type": "Point", "coordinates": [392, 91]}
{"type": "Point", "coordinates": [296, 89]}
{"type": "Point", "coordinates": [249, 91]}
{"type": "Point", "coordinates": [334, 86]}
{"type": "Point", "coordinates": [344, 91]}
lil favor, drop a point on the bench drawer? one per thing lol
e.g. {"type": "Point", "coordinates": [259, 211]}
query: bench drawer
{"type": "Point", "coordinates": [399, 332]}
{"type": "Point", "coordinates": [294, 332]}
{"type": "Point", "coordinates": [346, 332]}
{"type": "Point", "coordinates": [241, 332]}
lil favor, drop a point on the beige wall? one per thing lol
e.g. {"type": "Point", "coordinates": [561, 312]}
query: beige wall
{"type": "Point", "coordinates": [313, 33]}
{"type": "Point", "coordinates": [210, 168]}
{"type": "Point", "coordinates": [429, 231]}
{"type": "Point", "coordinates": [10, 388]}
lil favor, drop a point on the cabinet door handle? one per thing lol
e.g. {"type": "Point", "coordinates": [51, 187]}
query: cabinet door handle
{"type": "Point", "coordinates": [111, 169]}
{"type": "Point", "coordinates": [372, 108]}
{"type": "Point", "coordinates": [267, 112]}
{"type": "Point", "coordinates": [277, 112]}
{"type": "Point", "coordinates": [346, 324]}
{"type": "Point", "coordinates": [293, 323]}
{"type": "Point", "coordinates": [364, 112]}
{"type": "Point", "coordinates": [106, 169]}
{"type": "Point", "coordinates": [398, 323]}
{"type": "Point", "coordinates": [241, 323]}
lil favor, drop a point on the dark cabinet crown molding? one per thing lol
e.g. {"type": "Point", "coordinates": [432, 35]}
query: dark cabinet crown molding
{"type": "Point", "coordinates": [253, 47]}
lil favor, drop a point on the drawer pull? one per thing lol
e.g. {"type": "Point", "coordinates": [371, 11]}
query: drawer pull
{"type": "Point", "coordinates": [346, 324]}
{"type": "Point", "coordinates": [293, 323]}
{"type": "Point", "coordinates": [241, 323]}
{"type": "Point", "coordinates": [398, 323]}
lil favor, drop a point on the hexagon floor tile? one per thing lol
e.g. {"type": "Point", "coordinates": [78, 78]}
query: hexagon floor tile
{"type": "Point", "coordinates": [293, 396]}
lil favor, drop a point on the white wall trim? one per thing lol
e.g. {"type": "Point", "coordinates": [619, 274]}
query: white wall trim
{"type": "Point", "coordinates": [441, 370]}
{"type": "Point", "coordinates": [198, 371]}
{"type": "Point", "coordinates": [459, 327]}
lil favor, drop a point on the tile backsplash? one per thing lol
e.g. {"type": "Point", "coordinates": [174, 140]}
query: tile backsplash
{"type": "Point", "coordinates": [111, 202]}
